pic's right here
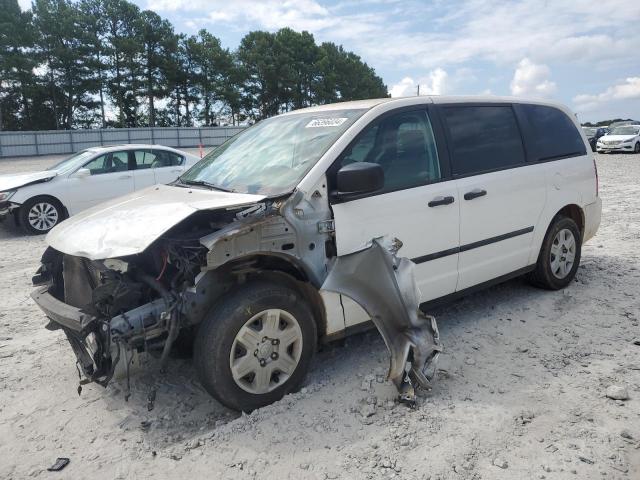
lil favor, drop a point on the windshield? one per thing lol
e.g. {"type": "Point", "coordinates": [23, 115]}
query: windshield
{"type": "Point", "coordinates": [271, 157]}
{"type": "Point", "coordinates": [624, 131]}
{"type": "Point", "coordinates": [72, 162]}
{"type": "Point", "coordinates": [589, 132]}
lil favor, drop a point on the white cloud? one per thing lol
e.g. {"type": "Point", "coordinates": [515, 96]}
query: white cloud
{"type": "Point", "coordinates": [435, 83]}
{"type": "Point", "coordinates": [627, 90]}
{"type": "Point", "coordinates": [531, 79]}
{"type": "Point", "coordinates": [24, 4]}
{"type": "Point", "coordinates": [391, 33]}
{"type": "Point", "coordinates": [267, 14]}
{"type": "Point", "coordinates": [404, 88]}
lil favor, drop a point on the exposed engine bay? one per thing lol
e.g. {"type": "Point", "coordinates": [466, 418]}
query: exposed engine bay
{"type": "Point", "coordinates": [110, 307]}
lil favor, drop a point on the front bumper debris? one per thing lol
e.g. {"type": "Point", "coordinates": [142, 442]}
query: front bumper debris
{"type": "Point", "coordinates": [6, 209]}
{"type": "Point", "coordinates": [94, 340]}
{"type": "Point", "coordinates": [384, 285]}
{"type": "Point", "coordinates": [88, 336]}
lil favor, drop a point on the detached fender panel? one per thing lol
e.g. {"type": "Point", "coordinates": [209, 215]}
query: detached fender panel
{"type": "Point", "coordinates": [384, 285]}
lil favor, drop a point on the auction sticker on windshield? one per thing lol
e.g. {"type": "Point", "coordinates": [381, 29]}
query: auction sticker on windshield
{"type": "Point", "coordinates": [326, 122]}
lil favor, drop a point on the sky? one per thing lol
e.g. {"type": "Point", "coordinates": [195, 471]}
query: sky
{"type": "Point", "coordinates": [585, 54]}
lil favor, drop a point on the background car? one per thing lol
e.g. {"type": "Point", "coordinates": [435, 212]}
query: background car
{"type": "Point", "coordinates": [40, 200]}
{"type": "Point", "coordinates": [622, 139]}
{"type": "Point", "coordinates": [593, 134]}
{"type": "Point", "coordinates": [621, 123]}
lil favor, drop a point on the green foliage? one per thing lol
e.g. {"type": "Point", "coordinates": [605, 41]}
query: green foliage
{"type": "Point", "coordinates": [89, 63]}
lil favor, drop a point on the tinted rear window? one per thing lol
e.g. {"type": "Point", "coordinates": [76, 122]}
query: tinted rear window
{"type": "Point", "coordinates": [553, 133]}
{"type": "Point", "coordinates": [483, 138]}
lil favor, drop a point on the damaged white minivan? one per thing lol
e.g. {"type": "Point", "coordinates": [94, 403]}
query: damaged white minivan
{"type": "Point", "coordinates": [256, 253]}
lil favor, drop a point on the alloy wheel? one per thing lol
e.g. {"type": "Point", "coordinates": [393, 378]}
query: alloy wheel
{"type": "Point", "coordinates": [43, 216]}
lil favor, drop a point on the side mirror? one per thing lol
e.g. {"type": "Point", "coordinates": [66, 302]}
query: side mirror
{"type": "Point", "coordinates": [82, 173]}
{"type": "Point", "coordinates": [358, 178]}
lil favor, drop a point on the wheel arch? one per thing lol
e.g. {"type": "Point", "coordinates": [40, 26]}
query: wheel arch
{"type": "Point", "coordinates": [573, 212]}
{"type": "Point", "coordinates": [43, 196]}
{"type": "Point", "coordinates": [279, 268]}
{"type": "Point", "coordinates": [570, 210]}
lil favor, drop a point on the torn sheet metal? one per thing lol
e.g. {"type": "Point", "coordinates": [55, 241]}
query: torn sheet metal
{"type": "Point", "coordinates": [289, 228]}
{"type": "Point", "coordinates": [384, 285]}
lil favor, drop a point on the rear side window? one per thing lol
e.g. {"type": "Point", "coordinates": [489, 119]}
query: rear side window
{"type": "Point", "coordinates": [553, 133]}
{"type": "Point", "coordinates": [164, 158]}
{"type": "Point", "coordinates": [483, 138]}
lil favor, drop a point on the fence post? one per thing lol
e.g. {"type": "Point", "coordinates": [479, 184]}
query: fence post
{"type": "Point", "coordinates": [71, 143]}
{"type": "Point", "coordinates": [128, 135]}
{"type": "Point", "coordinates": [35, 141]}
{"type": "Point", "coordinates": [101, 139]}
{"type": "Point", "coordinates": [153, 135]}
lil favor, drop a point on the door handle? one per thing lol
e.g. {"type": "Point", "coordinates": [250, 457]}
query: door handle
{"type": "Point", "coordinates": [441, 201]}
{"type": "Point", "coordinates": [123, 177]}
{"type": "Point", "coordinates": [475, 193]}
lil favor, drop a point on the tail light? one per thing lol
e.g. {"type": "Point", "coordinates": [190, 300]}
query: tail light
{"type": "Point", "coordinates": [595, 167]}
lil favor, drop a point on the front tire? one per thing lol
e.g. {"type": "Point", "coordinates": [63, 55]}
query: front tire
{"type": "Point", "coordinates": [636, 148]}
{"type": "Point", "coordinates": [39, 215]}
{"type": "Point", "coordinates": [559, 256]}
{"type": "Point", "coordinates": [255, 346]}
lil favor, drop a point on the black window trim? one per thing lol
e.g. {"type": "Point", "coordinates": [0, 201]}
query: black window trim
{"type": "Point", "coordinates": [443, 152]}
{"type": "Point", "coordinates": [449, 142]}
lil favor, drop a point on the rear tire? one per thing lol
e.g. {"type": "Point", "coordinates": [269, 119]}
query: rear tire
{"type": "Point", "coordinates": [39, 215]}
{"type": "Point", "coordinates": [559, 256]}
{"type": "Point", "coordinates": [255, 346]}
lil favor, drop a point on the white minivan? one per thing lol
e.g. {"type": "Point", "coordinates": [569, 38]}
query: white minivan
{"type": "Point", "coordinates": [234, 254]}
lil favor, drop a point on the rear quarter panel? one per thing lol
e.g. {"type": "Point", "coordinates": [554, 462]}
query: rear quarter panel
{"type": "Point", "coordinates": [570, 181]}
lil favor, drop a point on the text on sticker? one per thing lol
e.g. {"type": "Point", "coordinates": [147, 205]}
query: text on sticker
{"type": "Point", "coordinates": [325, 122]}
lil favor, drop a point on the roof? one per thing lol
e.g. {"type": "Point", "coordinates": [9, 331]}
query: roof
{"type": "Point", "coordinates": [113, 148]}
{"type": "Point", "coordinates": [439, 99]}
{"type": "Point", "coordinates": [352, 105]}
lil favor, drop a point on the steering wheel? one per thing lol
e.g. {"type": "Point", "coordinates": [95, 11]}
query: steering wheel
{"type": "Point", "coordinates": [117, 164]}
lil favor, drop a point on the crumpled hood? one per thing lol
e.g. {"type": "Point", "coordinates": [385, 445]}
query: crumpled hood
{"type": "Point", "coordinates": [617, 138]}
{"type": "Point", "coordinates": [128, 225]}
{"type": "Point", "coordinates": [16, 180]}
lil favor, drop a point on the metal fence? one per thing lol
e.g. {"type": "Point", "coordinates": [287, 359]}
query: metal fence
{"type": "Point", "coordinates": [51, 142]}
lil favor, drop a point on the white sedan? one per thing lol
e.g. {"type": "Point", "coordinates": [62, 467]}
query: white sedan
{"type": "Point", "coordinates": [40, 200]}
{"type": "Point", "coordinates": [625, 138]}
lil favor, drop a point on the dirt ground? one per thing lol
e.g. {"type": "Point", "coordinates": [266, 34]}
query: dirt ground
{"type": "Point", "coordinates": [521, 391]}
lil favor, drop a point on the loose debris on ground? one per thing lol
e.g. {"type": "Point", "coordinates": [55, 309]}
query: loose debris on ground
{"type": "Point", "coordinates": [532, 384]}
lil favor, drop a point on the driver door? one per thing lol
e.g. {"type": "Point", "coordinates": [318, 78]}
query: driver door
{"type": "Point", "coordinates": [418, 203]}
{"type": "Point", "coordinates": [109, 177]}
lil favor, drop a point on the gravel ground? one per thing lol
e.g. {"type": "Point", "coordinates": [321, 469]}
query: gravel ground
{"type": "Point", "coordinates": [521, 394]}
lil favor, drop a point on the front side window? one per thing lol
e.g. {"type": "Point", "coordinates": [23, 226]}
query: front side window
{"type": "Point", "coordinates": [554, 135]}
{"type": "Point", "coordinates": [108, 163]}
{"type": "Point", "coordinates": [483, 138]}
{"type": "Point", "coordinates": [99, 165]}
{"type": "Point", "coordinates": [272, 157]}
{"type": "Point", "coordinates": [403, 145]}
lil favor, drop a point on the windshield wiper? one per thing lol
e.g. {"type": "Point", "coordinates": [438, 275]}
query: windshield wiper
{"type": "Point", "coordinates": [202, 183]}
